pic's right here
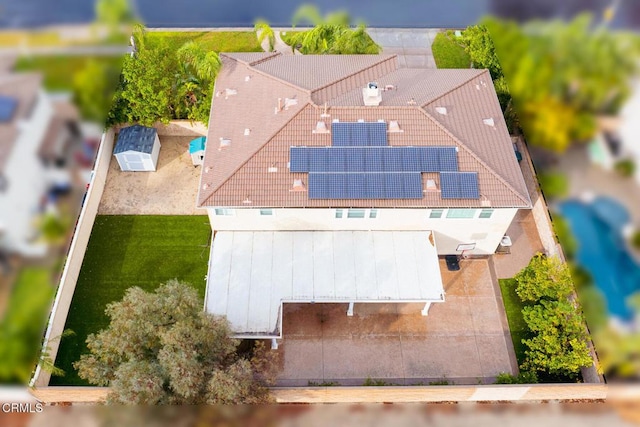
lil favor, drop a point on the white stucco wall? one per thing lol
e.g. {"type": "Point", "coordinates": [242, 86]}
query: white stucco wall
{"type": "Point", "coordinates": [155, 153]}
{"type": "Point", "coordinates": [26, 182]}
{"type": "Point", "coordinates": [449, 232]}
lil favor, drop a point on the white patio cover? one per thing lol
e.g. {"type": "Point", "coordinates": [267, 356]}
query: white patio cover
{"type": "Point", "coordinates": [252, 273]}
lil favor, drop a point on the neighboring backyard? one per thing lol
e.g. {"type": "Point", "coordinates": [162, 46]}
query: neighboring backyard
{"type": "Point", "coordinates": [126, 251]}
{"type": "Point", "coordinates": [218, 41]}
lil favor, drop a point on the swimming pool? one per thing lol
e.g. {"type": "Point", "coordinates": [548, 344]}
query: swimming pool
{"type": "Point", "coordinates": [597, 227]}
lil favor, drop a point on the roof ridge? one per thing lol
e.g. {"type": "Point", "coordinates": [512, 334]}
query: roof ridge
{"type": "Point", "coordinates": [454, 88]}
{"type": "Point", "coordinates": [375, 64]}
{"type": "Point", "coordinates": [271, 76]}
{"type": "Point", "coordinates": [476, 157]}
{"type": "Point", "coordinates": [249, 157]}
{"type": "Point", "coordinates": [267, 56]}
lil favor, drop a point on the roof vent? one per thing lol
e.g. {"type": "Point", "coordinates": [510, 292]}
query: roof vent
{"type": "Point", "coordinates": [321, 127]}
{"type": "Point", "coordinates": [205, 186]}
{"type": "Point", "coordinates": [290, 102]}
{"type": "Point", "coordinates": [247, 132]}
{"type": "Point", "coordinates": [224, 143]}
{"type": "Point", "coordinates": [489, 122]}
{"type": "Point", "coordinates": [360, 120]}
{"type": "Point", "coordinates": [389, 87]}
{"type": "Point", "coordinates": [412, 102]}
{"type": "Point", "coordinates": [441, 110]}
{"type": "Point", "coordinates": [394, 126]}
{"type": "Point", "coordinates": [229, 92]}
{"type": "Point", "coordinates": [207, 169]}
{"type": "Point", "coordinates": [371, 95]}
{"type": "Point", "coordinates": [247, 78]}
{"type": "Point", "coordinates": [273, 168]}
{"type": "Point", "coordinates": [478, 87]}
{"type": "Point", "coordinates": [298, 185]}
{"type": "Point", "coordinates": [485, 203]}
{"type": "Point", "coordinates": [431, 185]}
{"type": "Point", "coordinates": [324, 114]}
{"type": "Point", "coordinates": [247, 201]}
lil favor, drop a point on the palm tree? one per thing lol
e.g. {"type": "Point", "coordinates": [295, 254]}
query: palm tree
{"type": "Point", "coordinates": [205, 64]}
{"type": "Point", "coordinates": [264, 31]}
{"type": "Point", "coordinates": [194, 80]}
{"type": "Point", "coordinates": [331, 34]}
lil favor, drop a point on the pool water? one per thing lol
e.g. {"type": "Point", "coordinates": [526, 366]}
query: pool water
{"type": "Point", "coordinates": [597, 227]}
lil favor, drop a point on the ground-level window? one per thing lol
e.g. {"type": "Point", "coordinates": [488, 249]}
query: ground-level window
{"type": "Point", "coordinates": [461, 213]}
{"type": "Point", "coordinates": [436, 213]}
{"type": "Point", "coordinates": [223, 212]}
{"type": "Point", "coordinates": [356, 213]}
{"type": "Point", "coordinates": [486, 213]}
{"type": "Point", "coordinates": [266, 212]}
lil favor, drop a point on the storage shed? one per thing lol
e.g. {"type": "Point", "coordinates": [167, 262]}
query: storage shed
{"type": "Point", "coordinates": [137, 149]}
{"type": "Point", "coordinates": [196, 150]}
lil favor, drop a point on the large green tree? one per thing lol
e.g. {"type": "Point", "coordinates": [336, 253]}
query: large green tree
{"type": "Point", "coordinates": [162, 348]}
{"type": "Point", "coordinates": [561, 75]}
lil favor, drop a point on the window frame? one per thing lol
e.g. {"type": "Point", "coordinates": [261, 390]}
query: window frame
{"type": "Point", "coordinates": [486, 213]}
{"type": "Point", "coordinates": [224, 212]}
{"type": "Point", "coordinates": [470, 213]}
{"type": "Point", "coordinates": [263, 212]}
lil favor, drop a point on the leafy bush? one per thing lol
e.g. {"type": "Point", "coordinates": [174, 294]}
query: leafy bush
{"type": "Point", "coordinates": [449, 52]}
{"type": "Point", "coordinates": [635, 240]}
{"type": "Point", "coordinates": [544, 278]}
{"type": "Point", "coordinates": [565, 236]}
{"type": "Point", "coordinates": [625, 167]}
{"type": "Point", "coordinates": [524, 377]}
{"type": "Point", "coordinates": [553, 184]}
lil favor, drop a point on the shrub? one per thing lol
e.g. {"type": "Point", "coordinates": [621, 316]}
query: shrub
{"type": "Point", "coordinates": [544, 278]}
{"type": "Point", "coordinates": [625, 167]}
{"type": "Point", "coordinates": [524, 377]}
{"type": "Point", "coordinates": [554, 184]}
{"type": "Point", "coordinates": [635, 240]}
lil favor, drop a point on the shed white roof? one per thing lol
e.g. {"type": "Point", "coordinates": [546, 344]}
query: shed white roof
{"type": "Point", "coordinates": [251, 273]}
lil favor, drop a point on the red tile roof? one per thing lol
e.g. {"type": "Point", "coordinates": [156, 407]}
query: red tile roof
{"type": "Point", "coordinates": [252, 170]}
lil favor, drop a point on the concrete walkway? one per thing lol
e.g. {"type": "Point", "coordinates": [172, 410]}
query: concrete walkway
{"type": "Point", "coordinates": [412, 45]}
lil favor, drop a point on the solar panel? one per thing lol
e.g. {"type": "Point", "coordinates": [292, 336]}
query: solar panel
{"type": "Point", "coordinates": [298, 159]}
{"type": "Point", "coordinates": [358, 134]}
{"type": "Point", "coordinates": [340, 134]}
{"type": "Point", "coordinates": [362, 185]}
{"type": "Point", "coordinates": [459, 185]}
{"type": "Point", "coordinates": [378, 134]}
{"type": "Point", "coordinates": [7, 108]}
{"type": "Point", "coordinates": [447, 159]}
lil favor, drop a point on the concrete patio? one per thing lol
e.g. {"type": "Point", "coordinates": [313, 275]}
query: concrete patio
{"type": "Point", "coordinates": [170, 190]}
{"type": "Point", "coordinates": [464, 340]}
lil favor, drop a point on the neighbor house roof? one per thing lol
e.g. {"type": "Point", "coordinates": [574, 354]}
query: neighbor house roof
{"type": "Point", "coordinates": [135, 138]}
{"type": "Point", "coordinates": [265, 103]}
{"type": "Point", "coordinates": [21, 91]}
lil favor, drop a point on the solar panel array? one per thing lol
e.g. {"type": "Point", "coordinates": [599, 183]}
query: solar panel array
{"type": "Point", "coordinates": [7, 108]}
{"type": "Point", "coordinates": [360, 165]}
{"type": "Point", "coordinates": [373, 159]}
{"type": "Point", "coordinates": [365, 185]}
{"type": "Point", "coordinates": [459, 185]}
{"type": "Point", "coordinates": [359, 134]}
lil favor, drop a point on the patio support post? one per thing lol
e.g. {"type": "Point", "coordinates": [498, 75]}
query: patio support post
{"type": "Point", "coordinates": [274, 344]}
{"type": "Point", "coordinates": [425, 310]}
{"type": "Point", "coordinates": [350, 310]}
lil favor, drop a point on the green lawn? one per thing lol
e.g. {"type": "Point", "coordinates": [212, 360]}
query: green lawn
{"type": "Point", "coordinates": [219, 41]}
{"type": "Point", "coordinates": [24, 322]}
{"type": "Point", "coordinates": [513, 307]}
{"type": "Point", "coordinates": [59, 70]}
{"type": "Point", "coordinates": [448, 52]}
{"type": "Point", "coordinates": [126, 251]}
